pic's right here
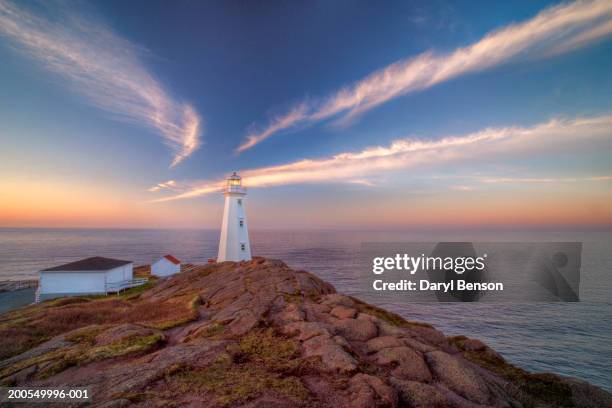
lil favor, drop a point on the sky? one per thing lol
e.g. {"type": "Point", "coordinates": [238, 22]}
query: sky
{"type": "Point", "coordinates": [343, 115]}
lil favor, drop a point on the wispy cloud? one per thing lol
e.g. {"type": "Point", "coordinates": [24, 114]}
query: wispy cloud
{"type": "Point", "coordinates": [492, 144]}
{"type": "Point", "coordinates": [522, 181]}
{"type": "Point", "coordinates": [541, 180]}
{"type": "Point", "coordinates": [553, 31]}
{"type": "Point", "coordinates": [106, 69]}
{"type": "Point", "coordinates": [166, 185]}
{"type": "Point", "coordinates": [282, 122]}
{"type": "Point", "coordinates": [462, 188]}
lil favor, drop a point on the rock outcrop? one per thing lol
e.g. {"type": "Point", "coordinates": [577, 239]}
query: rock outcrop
{"type": "Point", "coordinates": [259, 334]}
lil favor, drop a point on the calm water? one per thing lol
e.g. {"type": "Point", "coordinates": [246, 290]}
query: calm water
{"type": "Point", "coordinates": [573, 339]}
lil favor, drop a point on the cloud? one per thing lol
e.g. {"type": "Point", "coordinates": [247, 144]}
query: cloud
{"type": "Point", "coordinates": [498, 180]}
{"type": "Point", "coordinates": [488, 145]}
{"type": "Point", "coordinates": [553, 31]}
{"type": "Point", "coordinates": [104, 68]}
{"type": "Point", "coordinates": [596, 33]}
{"type": "Point", "coordinates": [462, 188]}
{"type": "Point", "coordinates": [541, 180]}
{"type": "Point", "coordinates": [167, 185]}
{"type": "Point", "coordinates": [282, 122]}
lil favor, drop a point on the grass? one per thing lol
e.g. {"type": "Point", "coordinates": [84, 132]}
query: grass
{"type": "Point", "coordinates": [188, 313]}
{"type": "Point", "coordinates": [262, 361]}
{"type": "Point", "coordinates": [67, 301]}
{"type": "Point", "coordinates": [84, 354]}
{"type": "Point", "coordinates": [541, 387]}
{"type": "Point", "coordinates": [130, 346]}
{"type": "Point", "coordinates": [240, 383]}
{"type": "Point", "coordinates": [295, 297]}
{"type": "Point", "coordinates": [134, 292]}
{"type": "Point", "coordinates": [84, 351]}
{"type": "Point", "coordinates": [15, 340]}
{"type": "Point", "coordinates": [142, 271]}
{"type": "Point", "coordinates": [389, 317]}
{"type": "Point", "coordinates": [86, 335]}
{"type": "Point", "coordinates": [6, 372]}
{"type": "Point", "coordinates": [25, 328]}
{"type": "Point", "coordinates": [213, 330]}
{"type": "Point", "coordinates": [264, 347]}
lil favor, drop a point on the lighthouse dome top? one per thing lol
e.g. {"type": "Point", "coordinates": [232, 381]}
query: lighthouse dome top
{"type": "Point", "coordinates": [234, 184]}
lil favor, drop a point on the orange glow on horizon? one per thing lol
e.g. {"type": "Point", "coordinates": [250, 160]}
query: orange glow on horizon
{"type": "Point", "coordinates": [58, 204]}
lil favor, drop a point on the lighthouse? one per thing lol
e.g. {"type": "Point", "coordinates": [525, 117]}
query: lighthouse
{"type": "Point", "coordinates": [234, 243]}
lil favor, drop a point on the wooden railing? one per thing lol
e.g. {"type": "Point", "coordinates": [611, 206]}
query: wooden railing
{"type": "Point", "coordinates": [114, 287]}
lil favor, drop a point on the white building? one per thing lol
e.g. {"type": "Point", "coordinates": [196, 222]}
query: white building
{"type": "Point", "coordinates": [88, 276]}
{"type": "Point", "coordinates": [234, 243]}
{"type": "Point", "coordinates": [166, 266]}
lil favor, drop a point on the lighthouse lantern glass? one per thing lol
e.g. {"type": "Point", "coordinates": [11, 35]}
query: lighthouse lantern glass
{"type": "Point", "coordinates": [234, 181]}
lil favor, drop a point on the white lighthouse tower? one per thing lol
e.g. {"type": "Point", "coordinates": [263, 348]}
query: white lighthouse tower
{"type": "Point", "coordinates": [234, 243]}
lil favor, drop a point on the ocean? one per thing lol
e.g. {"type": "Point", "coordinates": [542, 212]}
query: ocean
{"type": "Point", "coordinates": [572, 339]}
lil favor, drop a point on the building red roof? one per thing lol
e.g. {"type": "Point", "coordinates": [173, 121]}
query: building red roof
{"type": "Point", "coordinates": [172, 259]}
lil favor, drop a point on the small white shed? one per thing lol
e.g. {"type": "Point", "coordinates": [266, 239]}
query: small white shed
{"type": "Point", "coordinates": [88, 276]}
{"type": "Point", "coordinates": [166, 266]}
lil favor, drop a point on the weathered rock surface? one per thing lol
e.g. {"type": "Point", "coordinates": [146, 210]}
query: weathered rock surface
{"type": "Point", "coordinates": [408, 364]}
{"type": "Point", "coordinates": [343, 312]}
{"type": "Point", "coordinates": [259, 334]}
{"type": "Point", "coordinates": [457, 376]}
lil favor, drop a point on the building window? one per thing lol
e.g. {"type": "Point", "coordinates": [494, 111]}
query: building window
{"type": "Point", "coordinates": [242, 223]}
{"type": "Point", "coordinates": [239, 201]}
{"type": "Point", "coordinates": [243, 247]}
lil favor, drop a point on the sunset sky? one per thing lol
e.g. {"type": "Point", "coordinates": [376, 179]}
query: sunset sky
{"type": "Point", "coordinates": [338, 114]}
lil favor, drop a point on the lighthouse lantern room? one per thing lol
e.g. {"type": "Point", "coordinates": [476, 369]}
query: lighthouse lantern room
{"type": "Point", "coordinates": [234, 243]}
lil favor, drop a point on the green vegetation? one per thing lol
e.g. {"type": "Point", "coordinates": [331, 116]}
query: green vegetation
{"type": "Point", "coordinates": [295, 297]}
{"type": "Point", "coordinates": [541, 387]}
{"type": "Point", "coordinates": [133, 345]}
{"type": "Point", "coordinates": [389, 317]}
{"type": "Point", "coordinates": [264, 347]}
{"type": "Point", "coordinates": [232, 383]}
{"type": "Point", "coordinates": [15, 340]}
{"type": "Point", "coordinates": [458, 341]}
{"type": "Point", "coordinates": [213, 330]}
{"type": "Point", "coordinates": [189, 313]}
{"type": "Point", "coordinates": [43, 359]}
{"type": "Point", "coordinates": [205, 271]}
{"type": "Point", "coordinates": [25, 328]}
{"type": "Point", "coordinates": [86, 335]}
{"type": "Point", "coordinates": [84, 351]}
{"type": "Point", "coordinates": [261, 361]}
{"type": "Point", "coordinates": [134, 292]}
{"type": "Point", "coordinates": [63, 301]}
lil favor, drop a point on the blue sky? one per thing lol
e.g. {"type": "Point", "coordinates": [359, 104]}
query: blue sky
{"type": "Point", "coordinates": [231, 70]}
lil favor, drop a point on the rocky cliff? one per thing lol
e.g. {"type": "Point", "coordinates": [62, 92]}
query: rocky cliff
{"type": "Point", "coordinates": [259, 334]}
